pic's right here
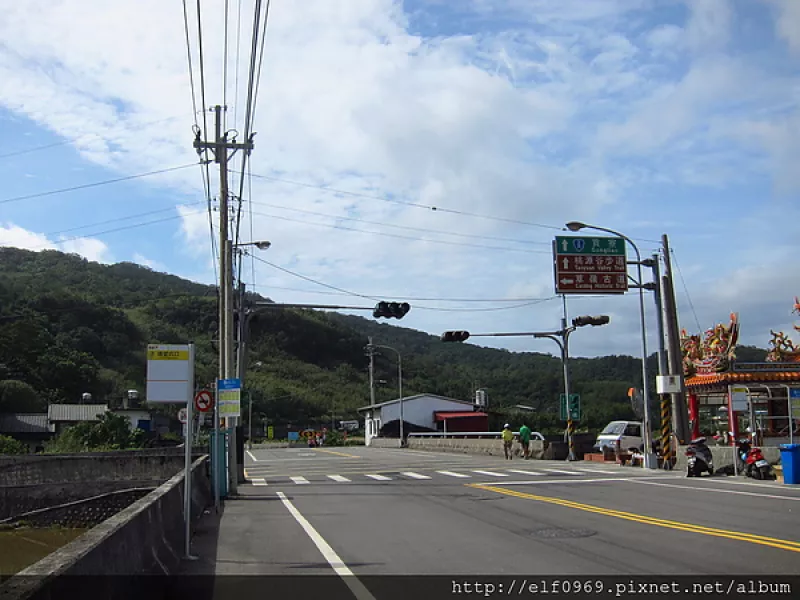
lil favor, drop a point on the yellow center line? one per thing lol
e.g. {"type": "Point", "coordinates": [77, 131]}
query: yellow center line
{"type": "Point", "coordinates": [336, 453]}
{"type": "Point", "coordinates": [723, 533]}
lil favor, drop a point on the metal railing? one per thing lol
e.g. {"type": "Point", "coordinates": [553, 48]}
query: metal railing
{"type": "Point", "coordinates": [535, 435]}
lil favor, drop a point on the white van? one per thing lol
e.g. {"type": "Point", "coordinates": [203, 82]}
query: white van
{"type": "Point", "coordinates": [627, 433]}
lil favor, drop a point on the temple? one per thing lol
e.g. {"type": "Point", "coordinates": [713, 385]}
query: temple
{"type": "Point", "coordinates": [726, 397]}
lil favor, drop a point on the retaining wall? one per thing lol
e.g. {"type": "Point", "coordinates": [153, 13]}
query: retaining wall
{"type": "Point", "coordinates": [467, 446]}
{"type": "Point", "coordinates": [145, 538]}
{"type": "Point", "coordinates": [30, 483]}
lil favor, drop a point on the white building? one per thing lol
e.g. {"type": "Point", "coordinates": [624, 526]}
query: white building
{"type": "Point", "coordinates": [423, 412]}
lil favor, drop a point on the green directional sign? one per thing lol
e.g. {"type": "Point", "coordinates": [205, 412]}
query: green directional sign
{"type": "Point", "coordinates": [573, 407]}
{"type": "Point", "coordinates": [598, 246]}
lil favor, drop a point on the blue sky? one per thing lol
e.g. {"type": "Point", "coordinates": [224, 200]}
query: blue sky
{"type": "Point", "coordinates": [510, 116]}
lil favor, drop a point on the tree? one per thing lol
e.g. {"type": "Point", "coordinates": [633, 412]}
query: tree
{"type": "Point", "coordinates": [110, 432]}
{"type": "Point", "coordinates": [9, 445]}
{"type": "Point", "coordinates": [19, 397]}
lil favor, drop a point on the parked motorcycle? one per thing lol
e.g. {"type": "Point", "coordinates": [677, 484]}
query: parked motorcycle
{"type": "Point", "coordinates": [752, 462]}
{"type": "Point", "coordinates": [698, 458]}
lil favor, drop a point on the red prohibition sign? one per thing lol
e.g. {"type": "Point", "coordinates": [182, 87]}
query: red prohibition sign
{"type": "Point", "coordinates": [203, 401]}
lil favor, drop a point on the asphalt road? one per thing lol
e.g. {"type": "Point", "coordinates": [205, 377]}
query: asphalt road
{"type": "Point", "coordinates": [368, 511]}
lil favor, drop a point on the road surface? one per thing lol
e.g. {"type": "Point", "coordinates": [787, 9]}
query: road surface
{"type": "Point", "coordinates": [360, 512]}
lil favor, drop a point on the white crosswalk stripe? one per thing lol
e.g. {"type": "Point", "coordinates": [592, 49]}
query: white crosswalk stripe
{"type": "Point", "coordinates": [604, 471]}
{"type": "Point", "coordinates": [415, 475]}
{"type": "Point", "coordinates": [451, 474]}
{"type": "Point", "coordinates": [299, 480]}
{"type": "Point", "coordinates": [491, 473]}
{"type": "Point", "coordinates": [338, 478]}
{"type": "Point", "coordinates": [525, 472]}
{"type": "Point", "coordinates": [562, 472]}
{"type": "Point", "coordinates": [378, 477]}
{"type": "Point", "coordinates": [260, 482]}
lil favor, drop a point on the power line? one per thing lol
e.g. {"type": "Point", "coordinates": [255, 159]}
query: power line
{"type": "Point", "coordinates": [404, 237]}
{"type": "Point", "coordinates": [405, 227]}
{"type": "Point", "coordinates": [686, 289]}
{"type": "Point", "coordinates": [95, 184]}
{"type": "Point", "coordinates": [261, 58]}
{"type": "Point", "coordinates": [35, 149]}
{"type": "Point", "coordinates": [403, 202]}
{"type": "Point", "coordinates": [225, 64]}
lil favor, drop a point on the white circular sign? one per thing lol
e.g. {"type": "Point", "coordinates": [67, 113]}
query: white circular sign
{"type": "Point", "coordinates": [183, 416]}
{"type": "Point", "coordinates": [203, 401]}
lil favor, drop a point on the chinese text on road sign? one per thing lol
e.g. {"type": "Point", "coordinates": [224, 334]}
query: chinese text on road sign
{"type": "Point", "coordinates": [228, 396]}
{"type": "Point", "coordinates": [590, 265]}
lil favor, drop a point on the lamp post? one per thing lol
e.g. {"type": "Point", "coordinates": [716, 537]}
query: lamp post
{"type": "Point", "coordinates": [648, 445]}
{"type": "Point", "coordinates": [400, 382]}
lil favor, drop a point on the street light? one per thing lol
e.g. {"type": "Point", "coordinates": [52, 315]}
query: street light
{"type": "Point", "coordinates": [400, 381]}
{"type": "Point", "coordinates": [648, 445]}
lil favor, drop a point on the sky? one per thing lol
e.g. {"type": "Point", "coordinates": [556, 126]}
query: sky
{"type": "Point", "coordinates": [426, 151]}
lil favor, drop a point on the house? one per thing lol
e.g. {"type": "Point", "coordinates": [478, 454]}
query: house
{"type": "Point", "coordinates": [422, 412]}
{"type": "Point", "coordinates": [139, 418]}
{"type": "Point", "coordinates": [62, 416]}
{"type": "Point", "coordinates": [31, 429]}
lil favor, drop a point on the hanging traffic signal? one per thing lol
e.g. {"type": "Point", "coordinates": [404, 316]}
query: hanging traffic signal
{"type": "Point", "coordinates": [389, 310]}
{"type": "Point", "coordinates": [593, 321]}
{"type": "Point", "coordinates": [455, 336]}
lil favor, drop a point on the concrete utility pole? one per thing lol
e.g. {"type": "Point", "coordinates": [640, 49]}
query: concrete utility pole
{"type": "Point", "coordinates": [220, 147]}
{"type": "Point", "coordinates": [666, 403]}
{"type": "Point", "coordinates": [679, 418]}
{"type": "Point", "coordinates": [371, 373]}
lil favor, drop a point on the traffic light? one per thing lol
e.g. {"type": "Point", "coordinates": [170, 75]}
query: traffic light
{"type": "Point", "coordinates": [388, 310]}
{"type": "Point", "coordinates": [593, 321]}
{"type": "Point", "coordinates": [574, 404]}
{"type": "Point", "coordinates": [455, 336]}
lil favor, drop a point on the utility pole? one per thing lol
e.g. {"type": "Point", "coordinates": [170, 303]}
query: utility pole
{"type": "Point", "coordinates": [666, 402]}
{"type": "Point", "coordinates": [371, 373]}
{"type": "Point", "coordinates": [674, 358]}
{"type": "Point", "coordinates": [220, 147]}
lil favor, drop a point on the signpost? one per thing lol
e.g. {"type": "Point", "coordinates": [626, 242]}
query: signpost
{"type": "Point", "coordinates": [573, 407]}
{"type": "Point", "coordinates": [229, 392]}
{"type": "Point", "coordinates": [170, 380]}
{"type": "Point", "coordinates": [590, 265]}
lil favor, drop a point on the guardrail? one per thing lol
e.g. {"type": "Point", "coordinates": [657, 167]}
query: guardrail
{"type": "Point", "coordinates": [535, 435]}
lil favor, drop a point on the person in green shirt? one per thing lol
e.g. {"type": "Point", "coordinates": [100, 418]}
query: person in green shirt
{"type": "Point", "coordinates": [508, 440]}
{"type": "Point", "coordinates": [525, 440]}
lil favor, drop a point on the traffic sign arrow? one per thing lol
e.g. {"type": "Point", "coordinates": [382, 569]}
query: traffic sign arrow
{"type": "Point", "coordinates": [564, 245]}
{"type": "Point", "coordinates": [566, 263]}
{"type": "Point", "coordinates": [567, 281]}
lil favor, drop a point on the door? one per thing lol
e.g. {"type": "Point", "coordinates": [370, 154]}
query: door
{"type": "Point", "coordinates": [632, 436]}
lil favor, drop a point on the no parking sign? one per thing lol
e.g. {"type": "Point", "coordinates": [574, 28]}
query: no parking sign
{"type": "Point", "coordinates": [203, 401]}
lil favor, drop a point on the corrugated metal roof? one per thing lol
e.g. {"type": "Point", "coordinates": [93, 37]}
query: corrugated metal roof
{"type": "Point", "coordinates": [407, 399]}
{"type": "Point", "coordinates": [25, 423]}
{"type": "Point", "coordinates": [75, 412]}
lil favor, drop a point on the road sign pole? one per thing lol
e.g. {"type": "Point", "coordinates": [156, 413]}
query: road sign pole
{"type": "Point", "coordinates": [215, 447]}
{"type": "Point", "coordinates": [187, 480]}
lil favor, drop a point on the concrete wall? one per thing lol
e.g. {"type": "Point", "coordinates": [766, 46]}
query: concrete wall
{"type": "Point", "coordinates": [466, 446]}
{"type": "Point", "coordinates": [32, 482]}
{"type": "Point", "coordinates": [385, 442]}
{"type": "Point", "coordinates": [145, 538]}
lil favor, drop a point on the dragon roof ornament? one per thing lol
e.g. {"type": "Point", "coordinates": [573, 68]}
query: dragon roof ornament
{"type": "Point", "coordinates": [782, 348]}
{"type": "Point", "coordinates": [711, 352]}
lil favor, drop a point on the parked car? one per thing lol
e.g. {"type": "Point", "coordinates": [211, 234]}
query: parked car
{"type": "Point", "coordinates": [627, 433]}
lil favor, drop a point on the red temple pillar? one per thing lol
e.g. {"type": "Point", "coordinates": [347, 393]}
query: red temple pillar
{"type": "Point", "coordinates": [694, 415]}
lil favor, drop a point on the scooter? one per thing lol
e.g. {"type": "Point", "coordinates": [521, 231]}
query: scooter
{"type": "Point", "coordinates": [699, 459]}
{"type": "Point", "coordinates": [752, 462]}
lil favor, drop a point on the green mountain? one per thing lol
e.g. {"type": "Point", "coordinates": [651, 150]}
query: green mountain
{"type": "Point", "coordinates": [69, 326]}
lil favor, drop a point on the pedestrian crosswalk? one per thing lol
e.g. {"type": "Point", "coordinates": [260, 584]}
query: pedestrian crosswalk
{"type": "Point", "coordinates": [439, 475]}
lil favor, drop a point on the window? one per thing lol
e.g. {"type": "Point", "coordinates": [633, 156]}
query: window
{"type": "Point", "coordinates": [634, 430]}
{"type": "Point", "coordinates": [614, 428]}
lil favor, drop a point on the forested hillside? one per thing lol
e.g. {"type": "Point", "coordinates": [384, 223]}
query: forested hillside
{"type": "Point", "coordinates": [69, 326]}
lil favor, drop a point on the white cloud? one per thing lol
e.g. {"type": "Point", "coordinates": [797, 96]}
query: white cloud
{"type": "Point", "coordinates": [787, 22]}
{"type": "Point", "coordinates": [17, 237]}
{"type": "Point", "coordinates": [709, 24]}
{"type": "Point", "coordinates": [153, 264]}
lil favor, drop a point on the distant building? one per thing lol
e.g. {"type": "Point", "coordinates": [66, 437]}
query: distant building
{"type": "Point", "coordinates": [62, 416]}
{"type": "Point", "coordinates": [422, 413]}
{"type": "Point", "coordinates": [31, 429]}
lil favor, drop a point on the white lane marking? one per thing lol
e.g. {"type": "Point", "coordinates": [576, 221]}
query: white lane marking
{"type": "Point", "coordinates": [299, 480]}
{"type": "Point", "coordinates": [261, 482]}
{"type": "Point", "coordinates": [707, 489]}
{"type": "Point", "coordinates": [562, 472]}
{"type": "Point", "coordinates": [336, 563]}
{"type": "Point", "coordinates": [307, 454]}
{"type": "Point", "coordinates": [490, 473]}
{"type": "Point", "coordinates": [605, 471]}
{"type": "Point", "coordinates": [415, 475]}
{"type": "Point", "coordinates": [253, 458]}
{"type": "Point", "coordinates": [338, 478]}
{"type": "Point", "coordinates": [525, 472]}
{"type": "Point", "coordinates": [549, 481]}
{"type": "Point", "coordinates": [451, 474]}
{"type": "Point", "coordinates": [379, 477]}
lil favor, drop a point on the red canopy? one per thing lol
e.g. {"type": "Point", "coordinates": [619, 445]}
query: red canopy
{"type": "Point", "coordinates": [443, 416]}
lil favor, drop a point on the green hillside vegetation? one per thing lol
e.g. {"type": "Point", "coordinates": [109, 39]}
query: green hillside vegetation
{"type": "Point", "coordinates": [69, 326]}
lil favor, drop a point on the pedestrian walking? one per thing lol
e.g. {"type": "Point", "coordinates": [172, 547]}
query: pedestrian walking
{"type": "Point", "coordinates": [508, 440]}
{"type": "Point", "coordinates": [525, 441]}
